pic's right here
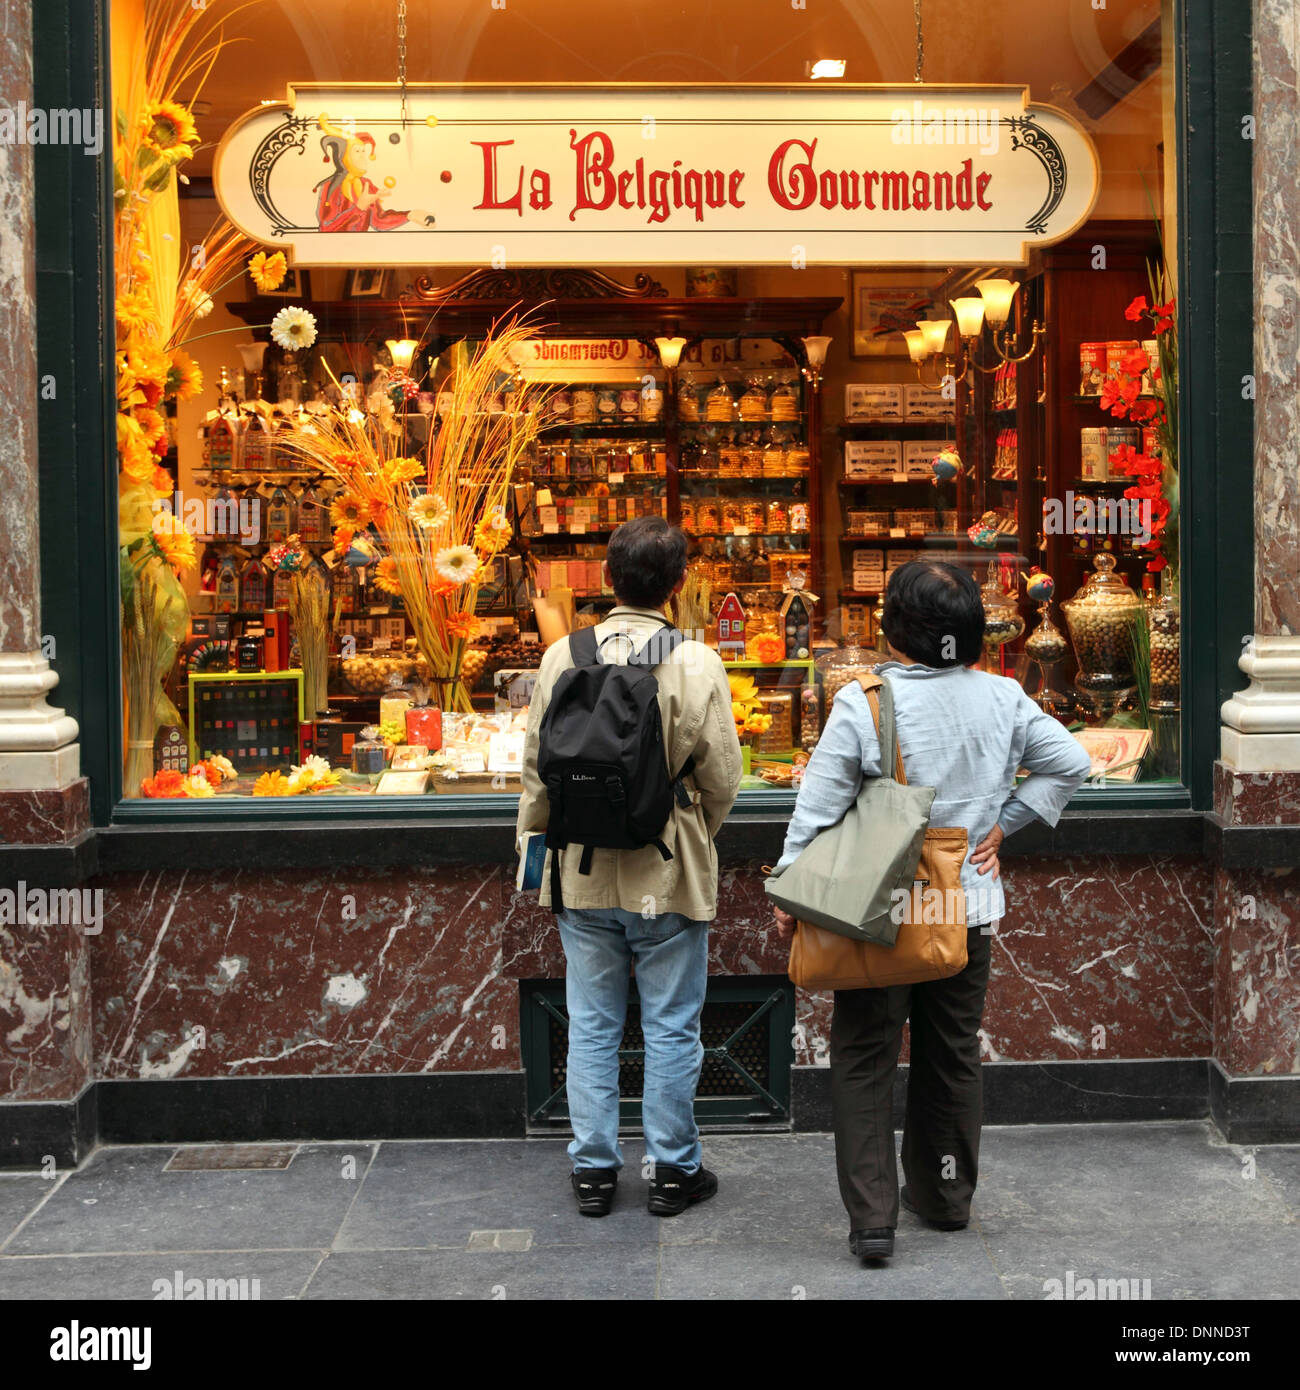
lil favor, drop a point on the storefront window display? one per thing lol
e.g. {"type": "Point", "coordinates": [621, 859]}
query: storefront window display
{"type": "Point", "coordinates": [395, 356]}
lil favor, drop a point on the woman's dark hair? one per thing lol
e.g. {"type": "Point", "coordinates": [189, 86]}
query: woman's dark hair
{"type": "Point", "coordinates": [646, 559]}
{"type": "Point", "coordinates": [934, 614]}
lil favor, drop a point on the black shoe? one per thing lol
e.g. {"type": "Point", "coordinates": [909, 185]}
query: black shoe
{"type": "Point", "coordinates": [594, 1189]}
{"type": "Point", "coordinates": [877, 1244]}
{"type": "Point", "coordinates": [672, 1190]}
{"type": "Point", "coordinates": [905, 1197]}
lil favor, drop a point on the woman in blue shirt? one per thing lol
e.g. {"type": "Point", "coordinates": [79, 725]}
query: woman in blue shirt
{"type": "Point", "coordinates": [965, 733]}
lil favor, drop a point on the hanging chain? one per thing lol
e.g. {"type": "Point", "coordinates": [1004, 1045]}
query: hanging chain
{"type": "Point", "coordinates": [401, 53]}
{"type": "Point", "coordinates": [920, 43]}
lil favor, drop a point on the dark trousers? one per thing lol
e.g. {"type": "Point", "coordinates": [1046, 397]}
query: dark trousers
{"type": "Point", "coordinates": [941, 1130]}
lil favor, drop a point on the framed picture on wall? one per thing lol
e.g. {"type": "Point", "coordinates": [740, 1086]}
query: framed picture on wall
{"type": "Point", "coordinates": [882, 310]}
{"type": "Point", "coordinates": [295, 285]}
{"type": "Point", "coordinates": [366, 284]}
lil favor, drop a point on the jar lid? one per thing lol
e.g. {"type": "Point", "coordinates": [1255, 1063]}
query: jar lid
{"type": "Point", "coordinates": [1106, 586]}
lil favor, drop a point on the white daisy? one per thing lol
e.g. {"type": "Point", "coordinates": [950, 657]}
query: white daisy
{"type": "Point", "coordinates": [294, 328]}
{"type": "Point", "coordinates": [457, 563]}
{"type": "Point", "coordinates": [315, 766]}
{"type": "Point", "coordinates": [428, 511]}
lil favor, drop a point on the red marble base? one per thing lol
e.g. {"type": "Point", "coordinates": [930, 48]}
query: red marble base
{"type": "Point", "coordinates": [45, 817]}
{"type": "Point", "coordinates": [1256, 798]}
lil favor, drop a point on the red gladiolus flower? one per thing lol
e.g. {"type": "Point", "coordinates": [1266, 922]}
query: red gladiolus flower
{"type": "Point", "coordinates": [1136, 309]}
{"type": "Point", "coordinates": [1156, 565]}
{"type": "Point", "coordinates": [1164, 316]}
{"type": "Point", "coordinates": [1135, 362]}
{"type": "Point", "coordinates": [1144, 411]}
{"type": "Point", "coordinates": [1111, 397]}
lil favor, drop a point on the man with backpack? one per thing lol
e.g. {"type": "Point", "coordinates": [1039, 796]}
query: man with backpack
{"type": "Point", "coordinates": [630, 767]}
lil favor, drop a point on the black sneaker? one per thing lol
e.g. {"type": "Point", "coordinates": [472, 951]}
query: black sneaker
{"type": "Point", "coordinates": [876, 1244]}
{"type": "Point", "coordinates": [594, 1189]}
{"type": "Point", "coordinates": [905, 1196]}
{"type": "Point", "coordinates": [672, 1190]}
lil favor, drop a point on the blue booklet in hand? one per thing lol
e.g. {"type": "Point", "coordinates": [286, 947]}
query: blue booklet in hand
{"type": "Point", "coordinates": [532, 859]}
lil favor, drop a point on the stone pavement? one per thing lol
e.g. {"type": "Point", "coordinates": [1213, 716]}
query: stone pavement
{"type": "Point", "coordinates": [1169, 1203]}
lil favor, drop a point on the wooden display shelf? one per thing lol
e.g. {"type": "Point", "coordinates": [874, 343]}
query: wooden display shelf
{"type": "Point", "coordinates": [860, 593]}
{"type": "Point", "coordinates": [602, 429]}
{"type": "Point", "coordinates": [848, 426]}
{"type": "Point", "coordinates": [891, 481]}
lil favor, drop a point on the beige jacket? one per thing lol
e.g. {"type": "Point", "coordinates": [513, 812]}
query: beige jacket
{"type": "Point", "coordinates": [695, 705]}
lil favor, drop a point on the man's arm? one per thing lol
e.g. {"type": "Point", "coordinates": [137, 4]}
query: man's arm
{"type": "Point", "coordinates": [717, 754]}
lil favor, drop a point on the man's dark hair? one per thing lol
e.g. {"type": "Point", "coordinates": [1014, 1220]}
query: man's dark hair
{"type": "Point", "coordinates": [646, 558]}
{"type": "Point", "coordinates": [934, 614]}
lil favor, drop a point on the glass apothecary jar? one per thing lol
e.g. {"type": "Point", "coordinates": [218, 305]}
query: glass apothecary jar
{"type": "Point", "coordinates": [838, 668]}
{"type": "Point", "coordinates": [1002, 620]}
{"type": "Point", "coordinates": [1100, 618]}
{"type": "Point", "coordinates": [1164, 633]}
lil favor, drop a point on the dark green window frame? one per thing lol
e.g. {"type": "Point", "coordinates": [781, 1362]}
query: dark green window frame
{"type": "Point", "coordinates": [77, 431]}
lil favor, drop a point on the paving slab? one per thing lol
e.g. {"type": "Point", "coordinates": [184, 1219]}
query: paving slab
{"type": "Point", "coordinates": [121, 1200]}
{"type": "Point", "coordinates": [437, 1194]}
{"type": "Point", "coordinates": [220, 1276]}
{"type": "Point", "coordinates": [20, 1194]}
{"type": "Point", "coordinates": [614, 1271]}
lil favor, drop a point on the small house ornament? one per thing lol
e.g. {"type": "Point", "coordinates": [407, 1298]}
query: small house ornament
{"type": "Point", "coordinates": [171, 752]}
{"type": "Point", "coordinates": [731, 629]}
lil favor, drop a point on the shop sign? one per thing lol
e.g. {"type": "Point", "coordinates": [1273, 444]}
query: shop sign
{"type": "Point", "coordinates": [514, 176]}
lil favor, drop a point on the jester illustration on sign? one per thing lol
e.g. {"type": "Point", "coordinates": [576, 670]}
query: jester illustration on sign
{"type": "Point", "coordinates": [347, 201]}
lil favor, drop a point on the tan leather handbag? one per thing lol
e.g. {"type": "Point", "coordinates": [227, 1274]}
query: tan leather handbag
{"type": "Point", "coordinates": [931, 942]}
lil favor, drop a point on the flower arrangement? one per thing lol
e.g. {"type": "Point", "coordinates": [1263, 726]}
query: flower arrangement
{"type": "Point", "coordinates": [439, 518]}
{"type": "Point", "coordinates": [311, 777]}
{"type": "Point", "coordinates": [766, 647]}
{"type": "Point", "coordinates": [746, 708]}
{"type": "Point", "coordinates": [1156, 473]}
{"type": "Point", "coordinates": [160, 292]}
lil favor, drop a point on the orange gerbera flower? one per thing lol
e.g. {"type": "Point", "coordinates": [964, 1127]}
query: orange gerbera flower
{"type": "Point", "coordinates": [136, 313]}
{"type": "Point", "coordinates": [152, 425]}
{"type": "Point", "coordinates": [403, 470]}
{"type": "Point", "coordinates": [386, 576]}
{"type": "Point", "coordinates": [443, 588]}
{"type": "Point", "coordinates": [268, 272]}
{"type": "Point", "coordinates": [272, 784]}
{"type": "Point", "coordinates": [462, 625]}
{"type": "Point", "coordinates": [343, 539]}
{"type": "Point", "coordinates": [164, 785]}
{"type": "Point", "coordinates": [174, 542]}
{"type": "Point", "coordinates": [350, 509]}
{"type": "Point", "coordinates": [185, 378]}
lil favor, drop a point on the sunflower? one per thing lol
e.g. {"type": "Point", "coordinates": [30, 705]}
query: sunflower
{"type": "Point", "coordinates": [272, 784]}
{"type": "Point", "coordinates": [185, 379]}
{"type": "Point", "coordinates": [429, 511]}
{"type": "Point", "coordinates": [456, 563]}
{"type": "Point", "coordinates": [167, 128]}
{"type": "Point", "coordinates": [294, 328]}
{"type": "Point", "coordinates": [402, 470]}
{"type": "Point", "coordinates": [386, 576]}
{"type": "Point", "coordinates": [174, 543]}
{"type": "Point", "coordinates": [350, 511]}
{"type": "Point", "coordinates": [268, 272]}
{"type": "Point", "coordinates": [136, 313]}
{"type": "Point", "coordinates": [462, 625]}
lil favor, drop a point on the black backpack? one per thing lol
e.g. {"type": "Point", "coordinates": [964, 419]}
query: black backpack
{"type": "Point", "coordinates": [601, 754]}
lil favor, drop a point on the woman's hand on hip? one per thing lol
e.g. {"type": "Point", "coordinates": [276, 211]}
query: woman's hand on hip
{"type": "Point", "coordinates": [985, 854]}
{"type": "Point", "coordinates": [784, 924]}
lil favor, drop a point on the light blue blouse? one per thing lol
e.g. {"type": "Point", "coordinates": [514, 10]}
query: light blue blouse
{"type": "Point", "coordinates": [963, 732]}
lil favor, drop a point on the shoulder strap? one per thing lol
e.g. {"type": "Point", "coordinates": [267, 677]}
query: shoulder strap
{"type": "Point", "coordinates": [658, 648]}
{"type": "Point", "coordinates": [881, 699]}
{"type": "Point", "coordinates": [582, 647]}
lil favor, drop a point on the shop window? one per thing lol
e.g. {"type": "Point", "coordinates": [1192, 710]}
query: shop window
{"type": "Point", "coordinates": [358, 501]}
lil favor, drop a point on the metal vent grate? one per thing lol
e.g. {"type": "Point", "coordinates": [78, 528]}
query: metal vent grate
{"type": "Point", "coordinates": [745, 1027]}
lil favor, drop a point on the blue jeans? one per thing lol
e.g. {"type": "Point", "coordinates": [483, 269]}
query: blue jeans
{"type": "Point", "coordinates": [671, 956]}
